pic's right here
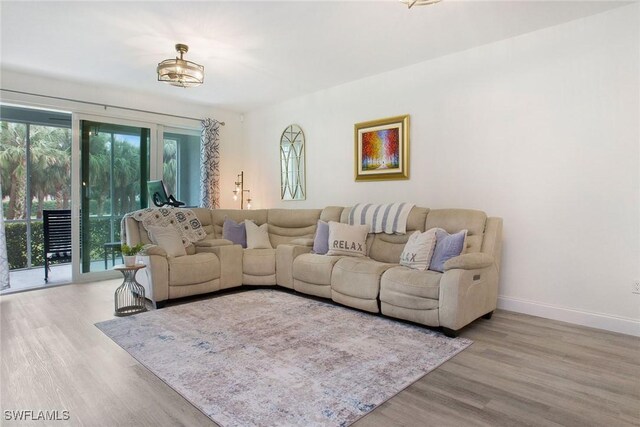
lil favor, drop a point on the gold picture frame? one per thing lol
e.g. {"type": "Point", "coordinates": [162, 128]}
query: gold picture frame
{"type": "Point", "coordinates": [382, 149]}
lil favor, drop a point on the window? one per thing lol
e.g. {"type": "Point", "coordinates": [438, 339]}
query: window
{"type": "Point", "coordinates": [35, 167]}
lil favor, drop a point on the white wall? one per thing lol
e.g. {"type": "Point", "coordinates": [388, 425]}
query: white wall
{"type": "Point", "coordinates": [541, 130]}
{"type": "Point", "coordinates": [230, 134]}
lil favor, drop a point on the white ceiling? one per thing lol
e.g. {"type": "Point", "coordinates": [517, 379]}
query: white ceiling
{"type": "Point", "coordinates": [257, 53]}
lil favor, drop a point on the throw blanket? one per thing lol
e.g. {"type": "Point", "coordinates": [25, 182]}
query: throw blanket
{"type": "Point", "coordinates": [390, 218]}
{"type": "Point", "coordinates": [184, 220]}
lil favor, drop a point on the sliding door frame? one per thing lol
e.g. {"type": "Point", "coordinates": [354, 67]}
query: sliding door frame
{"type": "Point", "coordinates": [76, 194]}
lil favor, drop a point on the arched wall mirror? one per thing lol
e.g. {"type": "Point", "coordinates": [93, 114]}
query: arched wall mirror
{"type": "Point", "coordinates": [292, 167]}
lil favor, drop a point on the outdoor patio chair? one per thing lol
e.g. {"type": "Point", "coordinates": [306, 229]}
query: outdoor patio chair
{"type": "Point", "coordinates": [57, 238]}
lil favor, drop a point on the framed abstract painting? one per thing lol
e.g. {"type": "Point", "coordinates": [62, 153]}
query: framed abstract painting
{"type": "Point", "coordinates": [382, 149]}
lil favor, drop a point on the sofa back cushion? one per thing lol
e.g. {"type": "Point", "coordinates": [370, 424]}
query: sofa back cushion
{"type": "Point", "coordinates": [204, 216]}
{"type": "Point", "coordinates": [259, 216]}
{"type": "Point", "coordinates": [455, 220]}
{"type": "Point", "coordinates": [389, 247]}
{"type": "Point", "coordinates": [332, 213]}
{"type": "Point", "coordinates": [286, 225]}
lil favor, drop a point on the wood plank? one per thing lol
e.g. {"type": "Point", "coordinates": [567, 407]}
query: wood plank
{"type": "Point", "coordinates": [521, 370]}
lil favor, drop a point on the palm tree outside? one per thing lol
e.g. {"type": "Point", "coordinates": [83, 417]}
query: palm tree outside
{"type": "Point", "coordinates": [44, 154]}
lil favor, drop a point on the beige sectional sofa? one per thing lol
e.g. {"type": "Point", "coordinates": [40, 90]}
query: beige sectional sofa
{"type": "Point", "coordinates": [466, 290]}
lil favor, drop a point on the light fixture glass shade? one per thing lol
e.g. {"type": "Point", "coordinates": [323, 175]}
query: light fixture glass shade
{"type": "Point", "coordinates": [180, 72]}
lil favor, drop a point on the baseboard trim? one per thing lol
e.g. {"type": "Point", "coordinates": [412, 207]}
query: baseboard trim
{"type": "Point", "coordinates": [623, 325]}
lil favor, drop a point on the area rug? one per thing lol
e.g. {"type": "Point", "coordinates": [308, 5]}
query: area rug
{"type": "Point", "coordinates": [266, 357]}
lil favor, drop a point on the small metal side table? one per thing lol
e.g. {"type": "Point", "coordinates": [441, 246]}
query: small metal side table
{"type": "Point", "coordinates": [129, 297]}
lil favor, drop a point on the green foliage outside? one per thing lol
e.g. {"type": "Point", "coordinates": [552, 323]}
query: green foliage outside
{"type": "Point", "coordinates": [49, 165]}
{"type": "Point", "coordinates": [114, 183]}
{"type": "Point", "coordinates": [16, 234]}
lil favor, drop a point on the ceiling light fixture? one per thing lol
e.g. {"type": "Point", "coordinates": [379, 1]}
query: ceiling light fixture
{"type": "Point", "coordinates": [411, 3]}
{"type": "Point", "coordinates": [180, 72]}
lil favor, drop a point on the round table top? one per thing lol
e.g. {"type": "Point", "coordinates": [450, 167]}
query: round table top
{"type": "Point", "coordinates": [122, 267]}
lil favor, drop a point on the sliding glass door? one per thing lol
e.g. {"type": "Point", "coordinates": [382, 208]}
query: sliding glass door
{"type": "Point", "coordinates": [114, 170]}
{"type": "Point", "coordinates": [115, 159]}
{"type": "Point", "coordinates": [35, 171]}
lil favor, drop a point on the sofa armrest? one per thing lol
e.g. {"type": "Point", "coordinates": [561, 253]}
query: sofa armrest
{"type": "Point", "coordinates": [285, 255]}
{"type": "Point", "coordinates": [154, 250]}
{"type": "Point", "coordinates": [473, 261]}
{"type": "Point", "coordinates": [466, 295]}
{"type": "Point", "coordinates": [157, 274]}
{"type": "Point", "coordinates": [212, 243]}
{"type": "Point", "coordinates": [302, 242]}
{"type": "Point", "coordinates": [230, 257]}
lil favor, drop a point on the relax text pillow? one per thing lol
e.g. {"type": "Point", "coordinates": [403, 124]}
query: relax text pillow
{"type": "Point", "coordinates": [349, 240]}
{"type": "Point", "coordinates": [418, 251]}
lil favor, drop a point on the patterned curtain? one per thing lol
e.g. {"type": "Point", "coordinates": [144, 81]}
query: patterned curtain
{"type": "Point", "coordinates": [210, 164]}
{"type": "Point", "coordinates": [4, 260]}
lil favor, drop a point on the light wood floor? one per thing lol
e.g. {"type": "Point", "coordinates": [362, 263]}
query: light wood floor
{"type": "Point", "coordinates": [521, 370]}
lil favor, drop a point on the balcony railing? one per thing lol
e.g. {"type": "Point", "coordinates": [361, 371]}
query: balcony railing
{"type": "Point", "coordinates": [28, 252]}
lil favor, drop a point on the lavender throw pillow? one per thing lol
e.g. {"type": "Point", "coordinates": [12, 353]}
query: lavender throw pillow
{"type": "Point", "coordinates": [235, 232]}
{"type": "Point", "coordinates": [447, 247]}
{"type": "Point", "coordinates": [321, 240]}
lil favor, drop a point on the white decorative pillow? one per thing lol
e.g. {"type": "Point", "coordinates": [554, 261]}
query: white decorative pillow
{"type": "Point", "coordinates": [419, 249]}
{"type": "Point", "coordinates": [168, 239]}
{"type": "Point", "coordinates": [349, 240]}
{"type": "Point", "coordinates": [257, 237]}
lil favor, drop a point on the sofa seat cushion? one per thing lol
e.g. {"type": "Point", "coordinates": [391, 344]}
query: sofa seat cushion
{"type": "Point", "coordinates": [192, 269]}
{"type": "Point", "coordinates": [212, 243]}
{"type": "Point", "coordinates": [259, 262]}
{"type": "Point", "coordinates": [415, 289]}
{"type": "Point", "coordinates": [358, 277]}
{"type": "Point", "coordinates": [314, 268]}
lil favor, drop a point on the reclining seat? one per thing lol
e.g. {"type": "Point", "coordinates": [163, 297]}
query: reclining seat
{"type": "Point", "coordinates": [355, 282]}
{"type": "Point", "coordinates": [291, 233]}
{"type": "Point", "coordinates": [308, 273]}
{"type": "Point", "coordinates": [465, 291]}
{"type": "Point", "coordinates": [257, 266]}
{"type": "Point", "coordinates": [176, 277]}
